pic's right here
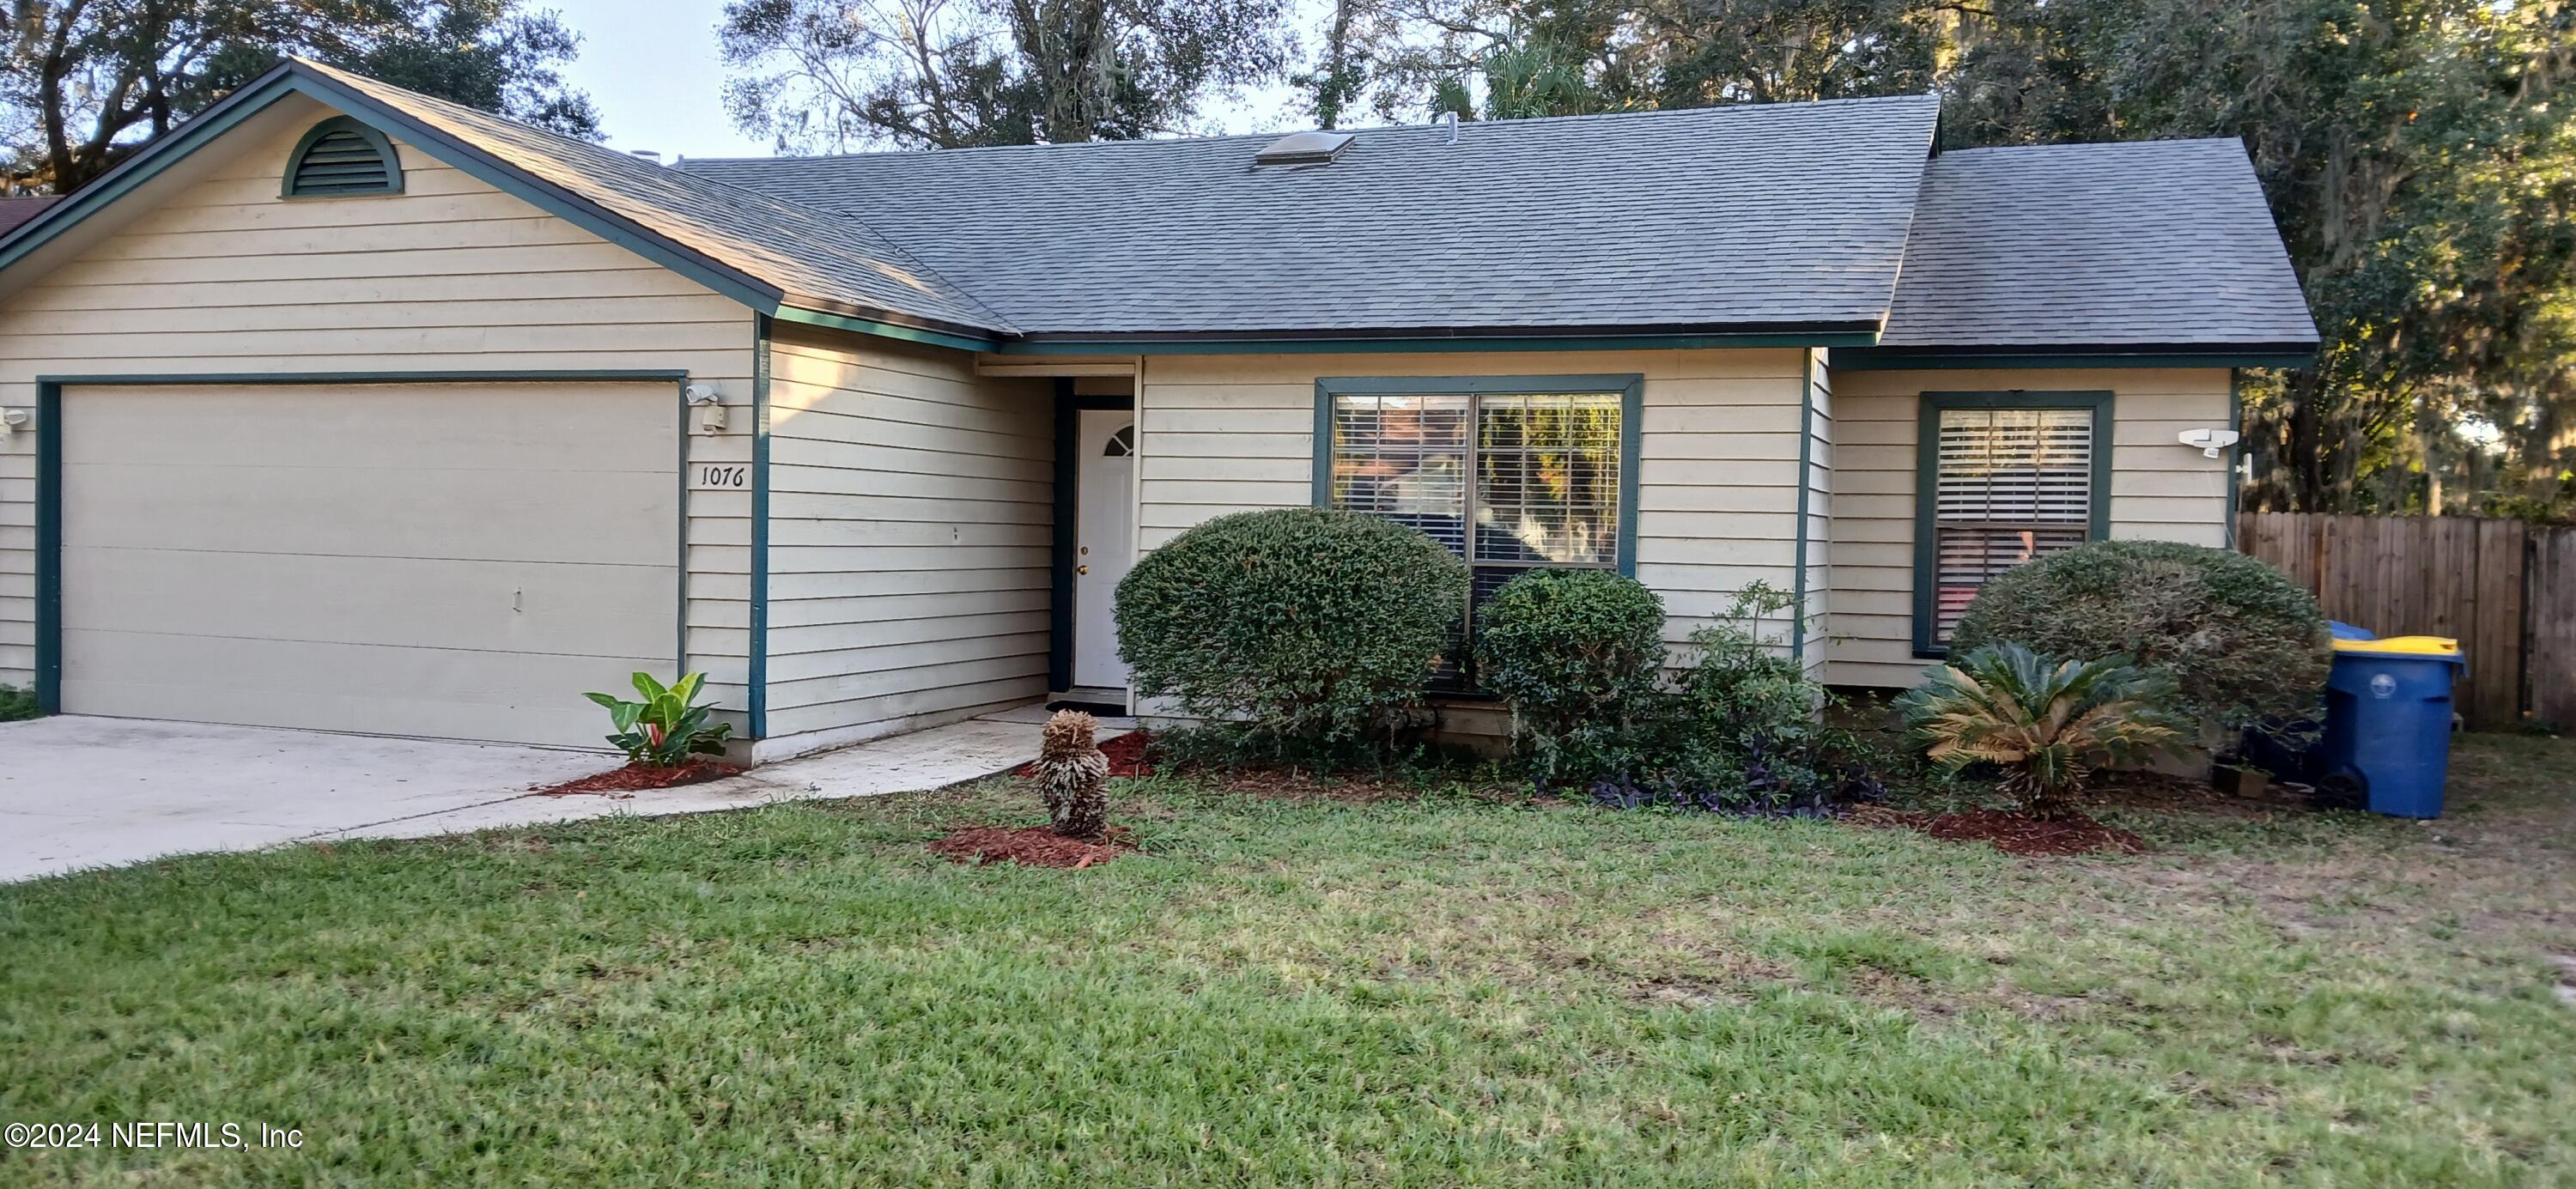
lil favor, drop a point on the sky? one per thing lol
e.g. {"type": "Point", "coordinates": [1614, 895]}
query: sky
{"type": "Point", "coordinates": [651, 67]}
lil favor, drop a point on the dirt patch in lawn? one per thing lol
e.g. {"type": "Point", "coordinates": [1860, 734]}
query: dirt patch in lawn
{"type": "Point", "coordinates": [2164, 793]}
{"type": "Point", "coordinates": [2010, 832]}
{"type": "Point", "coordinates": [1031, 846]}
{"type": "Point", "coordinates": [1127, 756]}
{"type": "Point", "coordinates": [635, 778]}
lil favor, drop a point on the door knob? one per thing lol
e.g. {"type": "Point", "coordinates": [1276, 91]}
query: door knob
{"type": "Point", "coordinates": [1082, 569]}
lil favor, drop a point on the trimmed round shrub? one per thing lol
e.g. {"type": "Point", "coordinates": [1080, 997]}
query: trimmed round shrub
{"type": "Point", "coordinates": [1577, 654]}
{"type": "Point", "coordinates": [1315, 628]}
{"type": "Point", "coordinates": [2239, 639]}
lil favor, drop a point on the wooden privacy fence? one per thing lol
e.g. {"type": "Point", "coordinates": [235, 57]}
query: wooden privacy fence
{"type": "Point", "coordinates": [2504, 590]}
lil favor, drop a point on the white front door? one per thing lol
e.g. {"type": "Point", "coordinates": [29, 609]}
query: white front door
{"type": "Point", "coordinates": [1104, 537]}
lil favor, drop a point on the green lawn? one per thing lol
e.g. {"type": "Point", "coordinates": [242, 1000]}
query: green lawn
{"type": "Point", "coordinates": [1428, 991]}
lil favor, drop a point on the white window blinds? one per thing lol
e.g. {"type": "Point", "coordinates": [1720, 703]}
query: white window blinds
{"type": "Point", "coordinates": [2010, 485]}
{"type": "Point", "coordinates": [1510, 482]}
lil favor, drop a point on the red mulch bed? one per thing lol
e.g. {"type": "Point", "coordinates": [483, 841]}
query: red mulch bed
{"type": "Point", "coordinates": [635, 778]}
{"type": "Point", "coordinates": [2012, 833]}
{"type": "Point", "coordinates": [1126, 756]}
{"type": "Point", "coordinates": [1031, 846]}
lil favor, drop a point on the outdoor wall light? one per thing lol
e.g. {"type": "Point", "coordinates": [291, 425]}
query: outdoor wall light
{"type": "Point", "coordinates": [2210, 441]}
{"type": "Point", "coordinates": [710, 406]}
{"type": "Point", "coordinates": [10, 420]}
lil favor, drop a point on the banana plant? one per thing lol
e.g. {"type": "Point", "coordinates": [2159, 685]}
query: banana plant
{"type": "Point", "coordinates": [663, 730]}
{"type": "Point", "coordinates": [2047, 724]}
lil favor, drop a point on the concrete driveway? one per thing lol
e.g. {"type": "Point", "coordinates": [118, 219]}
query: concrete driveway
{"type": "Point", "coordinates": [92, 792]}
{"type": "Point", "coordinates": [87, 792]}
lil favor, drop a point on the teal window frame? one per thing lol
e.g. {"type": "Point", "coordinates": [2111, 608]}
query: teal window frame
{"type": "Point", "coordinates": [1927, 473]}
{"type": "Point", "coordinates": [384, 147]}
{"type": "Point", "coordinates": [1630, 388]}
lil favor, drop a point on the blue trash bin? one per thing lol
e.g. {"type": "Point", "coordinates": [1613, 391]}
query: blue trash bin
{"type": "Point", "coordinates": [2388, 720]}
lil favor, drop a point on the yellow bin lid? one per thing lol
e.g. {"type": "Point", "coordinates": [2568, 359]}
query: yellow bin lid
{"type": "Point", "coordinates": [2430, 646]}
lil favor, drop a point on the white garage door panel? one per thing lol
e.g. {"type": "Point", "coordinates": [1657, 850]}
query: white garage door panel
{"type": "Point", "coordinates": [447, 560]}
{"type": "Point", "coordinates": [528, 426]}
{"type": "Point", "coordinates": [481, 606]}
{"type": "Point", "coordinates": [484, 515]}
{"type": "Point", "coordinates": [430, 692]}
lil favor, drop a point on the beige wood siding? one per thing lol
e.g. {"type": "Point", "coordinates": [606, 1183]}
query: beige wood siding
{"type": "Point", "coordinates": [217, 274]}
{"type": "Point", "coordinates": [2160, 489]}
{"type": "Point", "coordinates": [911, 511]}
{"type": "Point", "coordinates": [1717, 475]}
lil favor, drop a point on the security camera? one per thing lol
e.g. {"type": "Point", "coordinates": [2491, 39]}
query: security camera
{"type": "Point", "coordinates": [10, 420]}
{"type": "Point", "coordinates": [2210, 441]}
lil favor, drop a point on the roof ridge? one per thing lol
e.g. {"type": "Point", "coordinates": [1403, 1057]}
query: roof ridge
{"type": "Point", "coordinates": [1381, 129]}
{"type": "Point", "coordinates": [2236, 141]}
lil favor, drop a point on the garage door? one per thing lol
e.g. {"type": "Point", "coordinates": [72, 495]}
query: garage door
{"type": "Point", "coordinates": [450, 561]}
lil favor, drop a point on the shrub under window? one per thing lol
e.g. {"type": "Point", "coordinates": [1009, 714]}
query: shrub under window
{"type": "Point", "coordinates": [1577, 654]}
{"type": "Point", "coordinates": [2240, 640]}
{"type": "Point", "coordinates": [1313, 628]}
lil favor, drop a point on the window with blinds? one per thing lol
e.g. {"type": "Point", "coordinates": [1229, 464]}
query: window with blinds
{"type": "Point", "coordinates": [1509, 481]}
{"type": "Point", "coordinates": [2008, 485]}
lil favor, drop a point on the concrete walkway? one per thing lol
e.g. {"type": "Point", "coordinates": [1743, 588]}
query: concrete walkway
{"type": "Point", "coordinates": [89, 792]}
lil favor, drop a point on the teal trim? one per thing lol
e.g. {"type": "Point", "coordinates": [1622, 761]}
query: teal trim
{"type": "Point", "coordinates": [1068, 478]}
{"type": "Point", "coordinates": [581, 212]}
{"type": "Point", "coordinates": [136, 170]}
{"type": "Point", "coordinates": [49, 547]}
{"type": "Point", "coordinates": [1632, 436]}
{"type": "Point", "coordinates": [757, 678]}
{"type": "Point", "coordinates": [295, 185]}
{"type": "Point", "coordinates": [291, 79]}
{"type": "Point", "coordinates": [1927, 475]}
{"type": "Point", "coordinates": [1806, 486]}
{"type": "Point", "coordinates": [1366, 345]}
{"type": "Point", "coordinates": [1321, 495]}
{"type": "Point", "coordinates": [1877, 361]}
{"type": "Point", "coordinates": [386, 377]}
{"type": "Point", "coordinates": [680, 630]}
{"type": "Point", "coordinates": [882, 329]}
{"type": "Point", "coordinates": [1630, 387]}
{"type": "Point", "coordinates": [2235, 453]}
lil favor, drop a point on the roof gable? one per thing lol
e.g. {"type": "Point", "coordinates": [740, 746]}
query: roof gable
{"type": "Point", "coordinates": [762, 251]}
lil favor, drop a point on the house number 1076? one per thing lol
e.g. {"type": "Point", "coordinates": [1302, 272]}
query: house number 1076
{"type": "Point", "coordinates": [724, 476]}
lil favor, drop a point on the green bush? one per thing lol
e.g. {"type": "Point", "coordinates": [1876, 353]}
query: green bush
{"type": "Point", "coordinates": [1740, 690]}
{"type": "Point", "coordinates": [1315, 630]}
{"type": "Point", "coordinates": [16, 703]}
{"type": "Point", "coordinates": [2239, 640]}
{"type": "Point", "coordinates": [1577, 654]}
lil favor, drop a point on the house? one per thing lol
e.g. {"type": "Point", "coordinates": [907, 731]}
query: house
{"type": "Point", "coordinates": [346, 408]}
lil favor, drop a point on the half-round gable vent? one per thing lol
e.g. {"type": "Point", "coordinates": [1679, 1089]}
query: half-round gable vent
{"type": "Point", "coordinates": [342, 156]}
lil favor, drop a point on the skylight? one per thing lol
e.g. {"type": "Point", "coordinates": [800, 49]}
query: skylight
{"type": "Point", "coordinates": [1303, 148]}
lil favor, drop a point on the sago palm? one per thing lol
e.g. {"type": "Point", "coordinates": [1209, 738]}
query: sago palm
{"type": "Point", "coordinates": [2047, 724]}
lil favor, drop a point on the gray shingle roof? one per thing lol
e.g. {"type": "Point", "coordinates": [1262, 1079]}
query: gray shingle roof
{"type": "Point", "coordinates": [17, 209]}
{"type": "Point", "coordinates": [1783, 215]}
{"type": "Point", "coordinates": [1791, 218]}
{"type": "Point", "coordinates": [2147, 242]}
{"type": "Point", "coordinates": [813, 258]}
